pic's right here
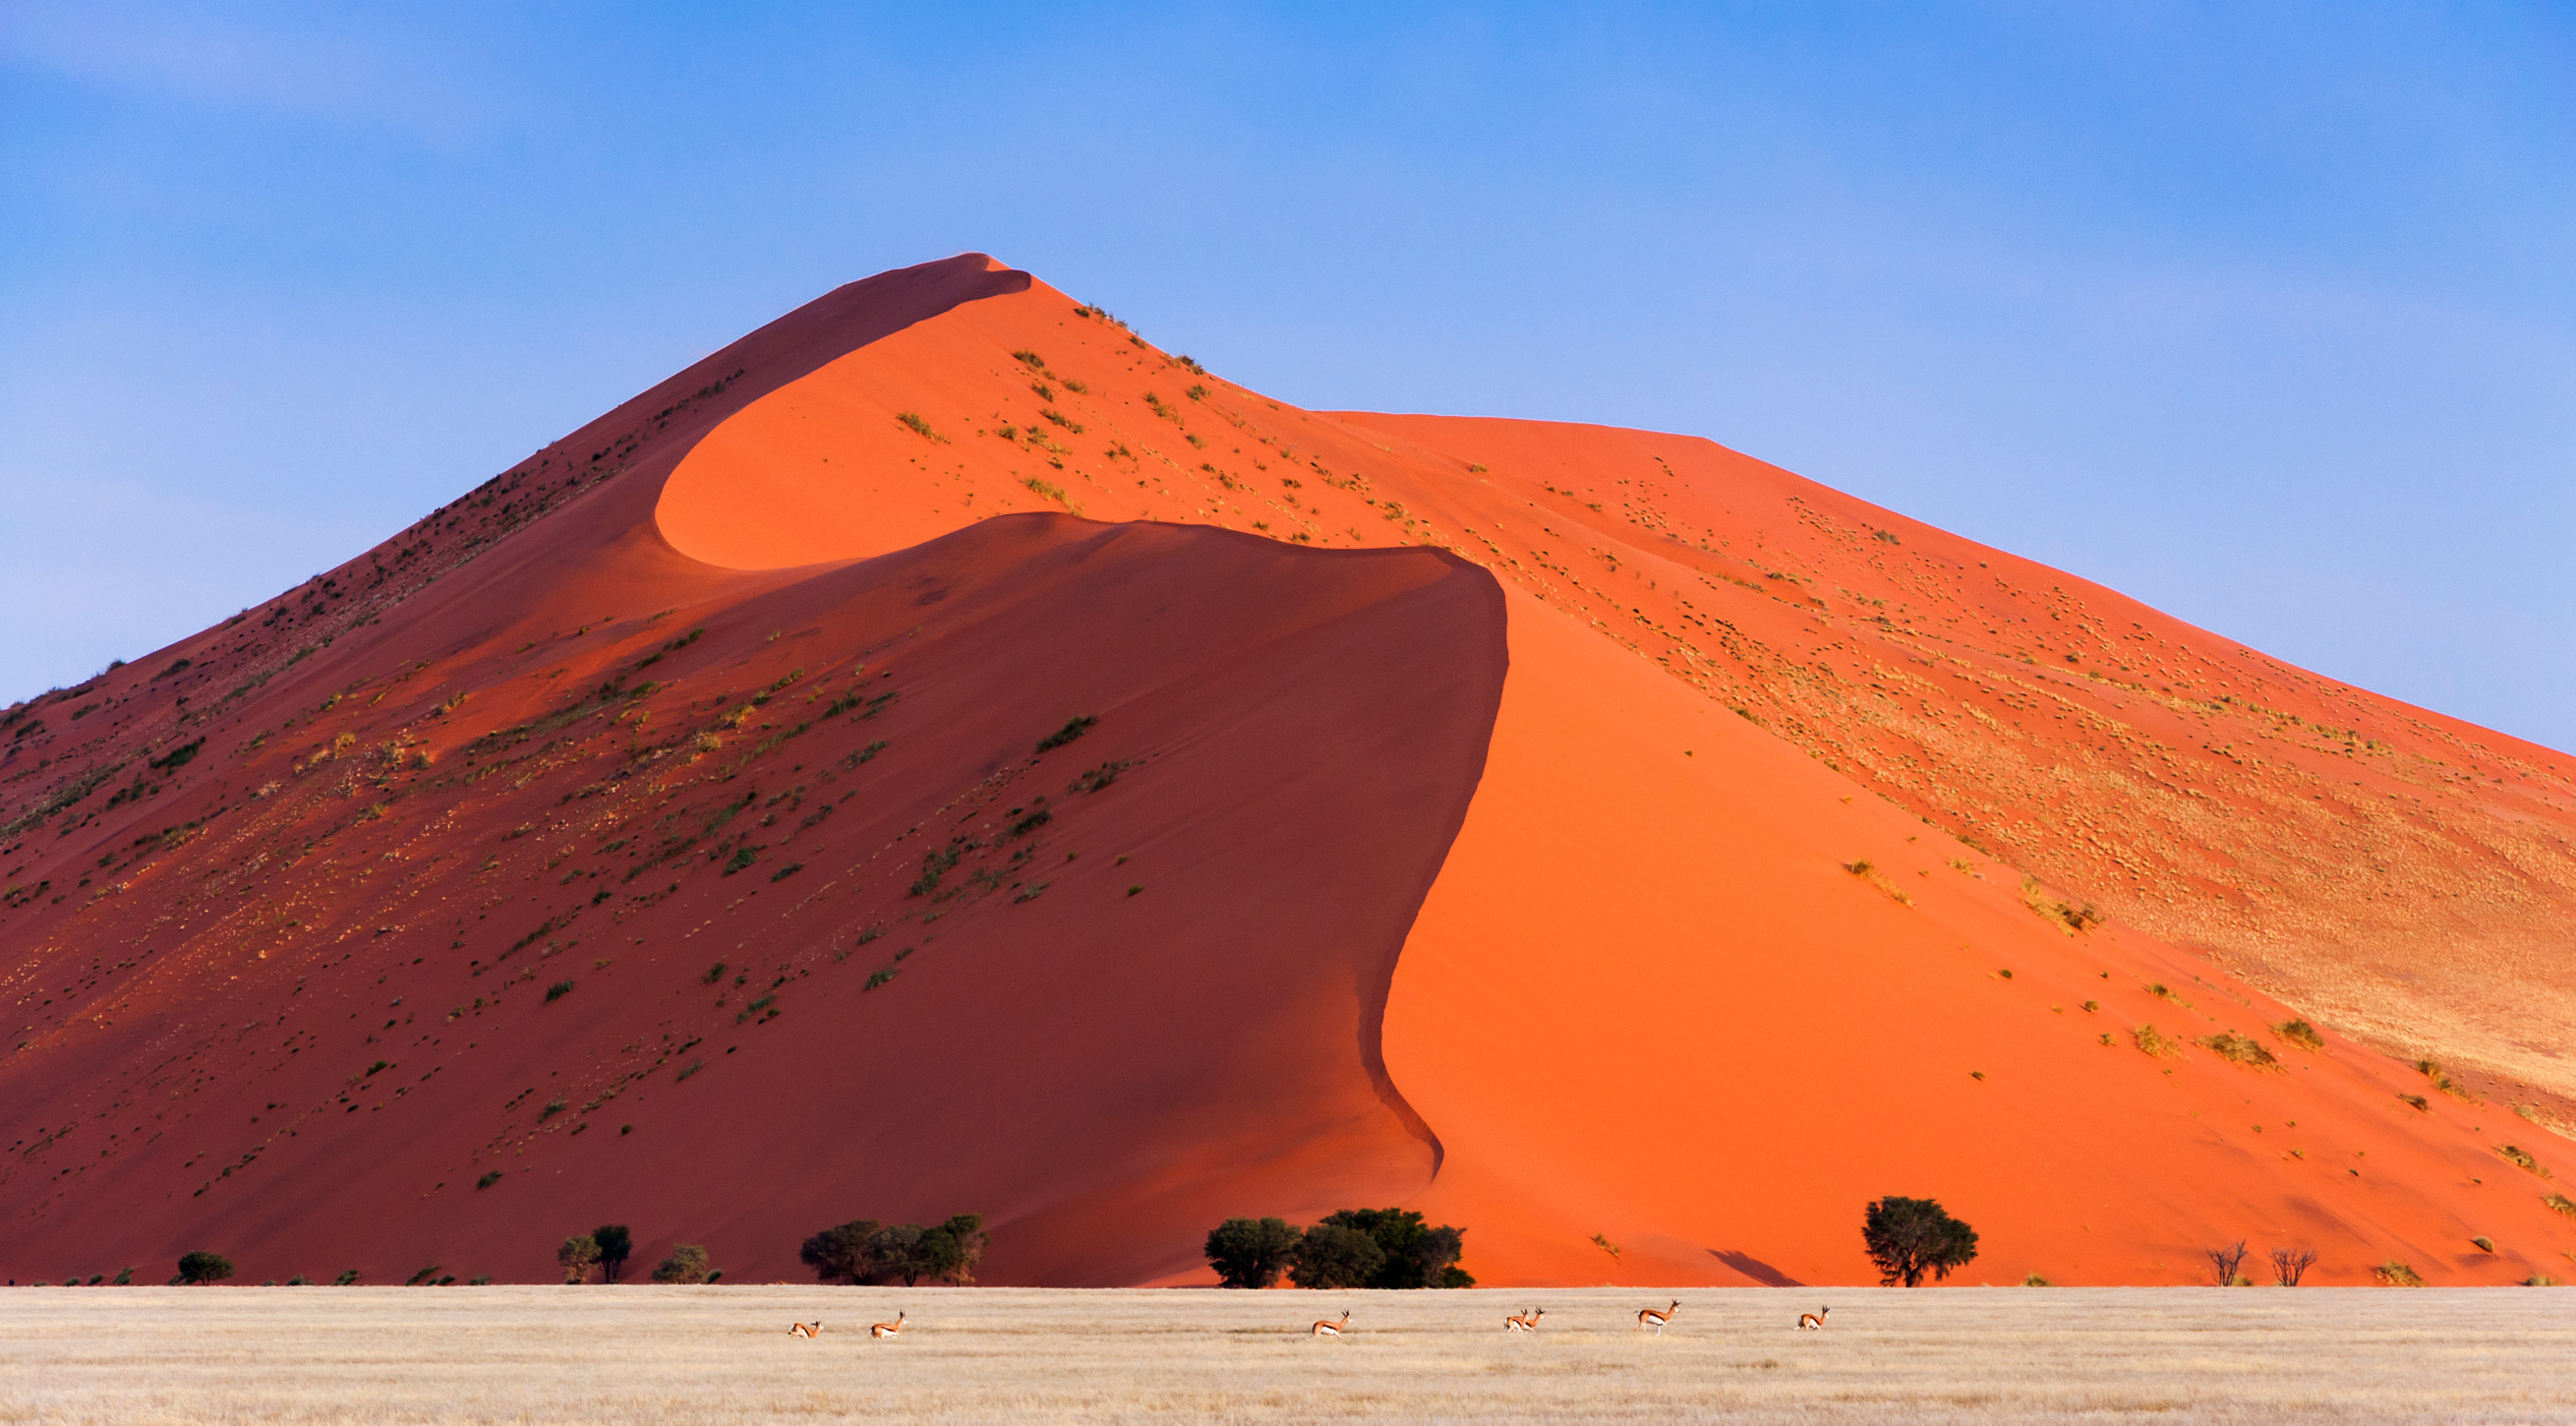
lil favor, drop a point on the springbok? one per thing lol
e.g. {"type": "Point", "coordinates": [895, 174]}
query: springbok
{"type": "Point", "coordinates": [1526, 1322]}
{"type": "Point", "coordinates": [1330, 1328]}
{"type": "Point", "coordinates": [883, 1330]}
{"type": "Point", "coordinates": [807, 1330]}
{"type": "Point", "coordinates": [1649, 1317]}
{"type": "Point", "coordinates": [1813, 1321]}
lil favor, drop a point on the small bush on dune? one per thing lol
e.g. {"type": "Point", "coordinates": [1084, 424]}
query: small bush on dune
{"type": "Point", "coordinates": [2151, 1041]}
{"type": "Point", "coordinates": [1073, 728]}
{"type": "Point", "coordinates": [2522, 1159]}
{"type": "Point", "coordinates": [2396, 1274]}
{"type": "Point", "coordinates": [2243, 1049]}
{"type": "Point", "coordinates": [202, 1269]}
{"type": "Point", "coordinates": [2301, 1034]}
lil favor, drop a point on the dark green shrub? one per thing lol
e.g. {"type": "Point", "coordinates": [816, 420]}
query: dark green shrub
{"type": "Point", "coordinates": [1329, 1255]}
{"type": "Point", "coordinates": [489, 1179]}
{"type": "Point", "coordinates": [1251, 1252]}
{"type": "Point", "coordinates": [558, 991]}
{"type": "Point", "coordinates": [578, 1255]}
{"type": "Point", "coordinates": [867, 1251]}
{"type": "Point", "coordinates": [345, 1279]}
{"type": "Point", "coordinates": [1908, 1237]}
{"type": "Point", "coordinates": [200, 1269]}
{"type": "Point", "coordinates": [1073, 728]}
{"type": "Point", "coordinates": [842, 1254]}
{"type": "Point", "coordinates": [2301, 1034]}
{"type": "Point", "coordinates": [1412, 1253]}
{"type": "Point", "coordinates": [615, 1244]}
{"type": "Point", "coordinates": [686, 1264]}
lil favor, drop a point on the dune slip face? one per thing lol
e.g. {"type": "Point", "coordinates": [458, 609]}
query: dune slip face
{"type": "Point", "coordinates": [796, 902]}
{"type": "Point", "coordinates": [1598, 838]}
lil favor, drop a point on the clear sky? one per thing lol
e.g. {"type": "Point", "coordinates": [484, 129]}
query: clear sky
{"type": "Point", "coordinates": [2265, 314]}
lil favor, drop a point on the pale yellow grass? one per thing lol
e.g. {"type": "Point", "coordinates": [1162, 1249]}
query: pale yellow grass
{"type": "Point", "coordinates": [722, 1354]}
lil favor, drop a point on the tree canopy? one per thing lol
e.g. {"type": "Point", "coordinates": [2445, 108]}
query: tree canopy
{"type": "Point", "coordinates": [201, 1269]}
{"type": "Point", "coordinates": [1908, 1237]}
{"type": "Point", "coordinates": [864, 1251]}
{"type": "Point", "coordinates": [1335, 1255]}
{"type": "Point", "coordinates": [615, 1245]}
{"type": "Point", "coordinates": [578, 1255]}
{"type": "Point", "coordinates": [1251, 1252]}
{"type": "Point", "coordinates": [687, 1263]}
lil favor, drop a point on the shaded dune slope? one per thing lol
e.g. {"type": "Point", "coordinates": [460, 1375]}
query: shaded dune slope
{"type": "Point", "coordinates": [576, 756]}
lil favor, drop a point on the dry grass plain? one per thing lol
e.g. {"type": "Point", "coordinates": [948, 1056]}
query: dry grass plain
{"type": "Point", "coordinates": [722, 1354]}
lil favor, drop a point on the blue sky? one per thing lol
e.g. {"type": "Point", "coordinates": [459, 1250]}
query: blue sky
{"type": "Point", "coordinates": [2264, 314]}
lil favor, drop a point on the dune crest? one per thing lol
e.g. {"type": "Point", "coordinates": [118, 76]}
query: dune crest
{"type": "Point", "coordinates": [1574, 832]}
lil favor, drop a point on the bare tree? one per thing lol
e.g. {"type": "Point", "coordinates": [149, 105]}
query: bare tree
{"type": "Point", "coordinates": [2225, 1261]}
{"type": "Point", "coordinates": [2289, 1265]}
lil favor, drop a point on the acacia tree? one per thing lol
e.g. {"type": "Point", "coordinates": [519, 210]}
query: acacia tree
{"type": "Point", "coordinates": [687, 1263]}
{"type": "Point", "coordinates": [2224, 1261]}
{"type": "Point", "coordinates": [1249, 1252]}
{"type": "Point", "coordinates": [615, 1245]}
{"type": "Point", "coordinates": [1335, 1255]}
{"type": "Point", "coordinates": [202, 1269]}
{"type": "Point", "coordinates": [1908, 1237]}
{"type": "Point", "coordinates": [1413, 1253]}
{"type": "Point", "coordinates": [2289, 1265]}
{"type": "Point", "coordinates": [578, 1255]}
{"type": "Point", "coordinates": [956, 1248]}
{"type": "Point", "coordinates": [842, 1254]}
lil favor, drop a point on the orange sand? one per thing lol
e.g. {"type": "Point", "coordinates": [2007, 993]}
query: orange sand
{"type": "Point", "coordinates": [1641, 999]}
{"type": "Point", "coordinates": [1645, 999]}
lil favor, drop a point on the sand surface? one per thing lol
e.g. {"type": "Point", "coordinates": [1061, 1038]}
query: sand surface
{"type": "Point", "coordinates": [722, 1354]}
{"type": "Point", "coordinates": [418, 873]}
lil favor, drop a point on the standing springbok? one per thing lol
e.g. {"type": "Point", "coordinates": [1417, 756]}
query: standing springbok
{"type": "Point", "coordinates": [1526, 1322]}
{"type": "Point", "coordinates": [808, 1330]}
{"type": "Point", "coordinates": [1330, 1328]}
{"type": "Point", "coordinates": [1649, 1317]}
{"type": "Point", "coordinates": [1813, 1321]}
{"type": "Point", "coordinates": [883, 1330]}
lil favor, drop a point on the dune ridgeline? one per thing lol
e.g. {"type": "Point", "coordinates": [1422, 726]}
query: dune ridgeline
{"type": "Point", "coordinates": [942, 753]}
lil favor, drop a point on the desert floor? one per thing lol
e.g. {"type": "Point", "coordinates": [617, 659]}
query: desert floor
{"type": "Point", "coordinates": [723, 1354]}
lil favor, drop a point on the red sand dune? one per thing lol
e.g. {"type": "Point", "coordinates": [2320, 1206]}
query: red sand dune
{"type": "Point", "coordinates": [1643, 997]}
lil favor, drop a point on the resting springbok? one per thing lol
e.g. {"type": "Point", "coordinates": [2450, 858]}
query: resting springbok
{"type": "Point", "coordinates": [1649, 1317]}
{"type": "Point", "coordinates": [1329, 1328]}
{"type": "Point", "coordinates": [1813, 1321]}
{"type": "Point", "coordinates": [883, 1330]}
{"type": "Point", "coordinates": [1526, 1322]}
{"type": "Point", "coordinates": [805, 1329]}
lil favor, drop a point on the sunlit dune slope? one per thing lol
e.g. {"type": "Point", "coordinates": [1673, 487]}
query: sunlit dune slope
{"type": "Point", "coordinates": [2394, 872]}
{"type": "Point", "coordinates": [1684, 988]}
